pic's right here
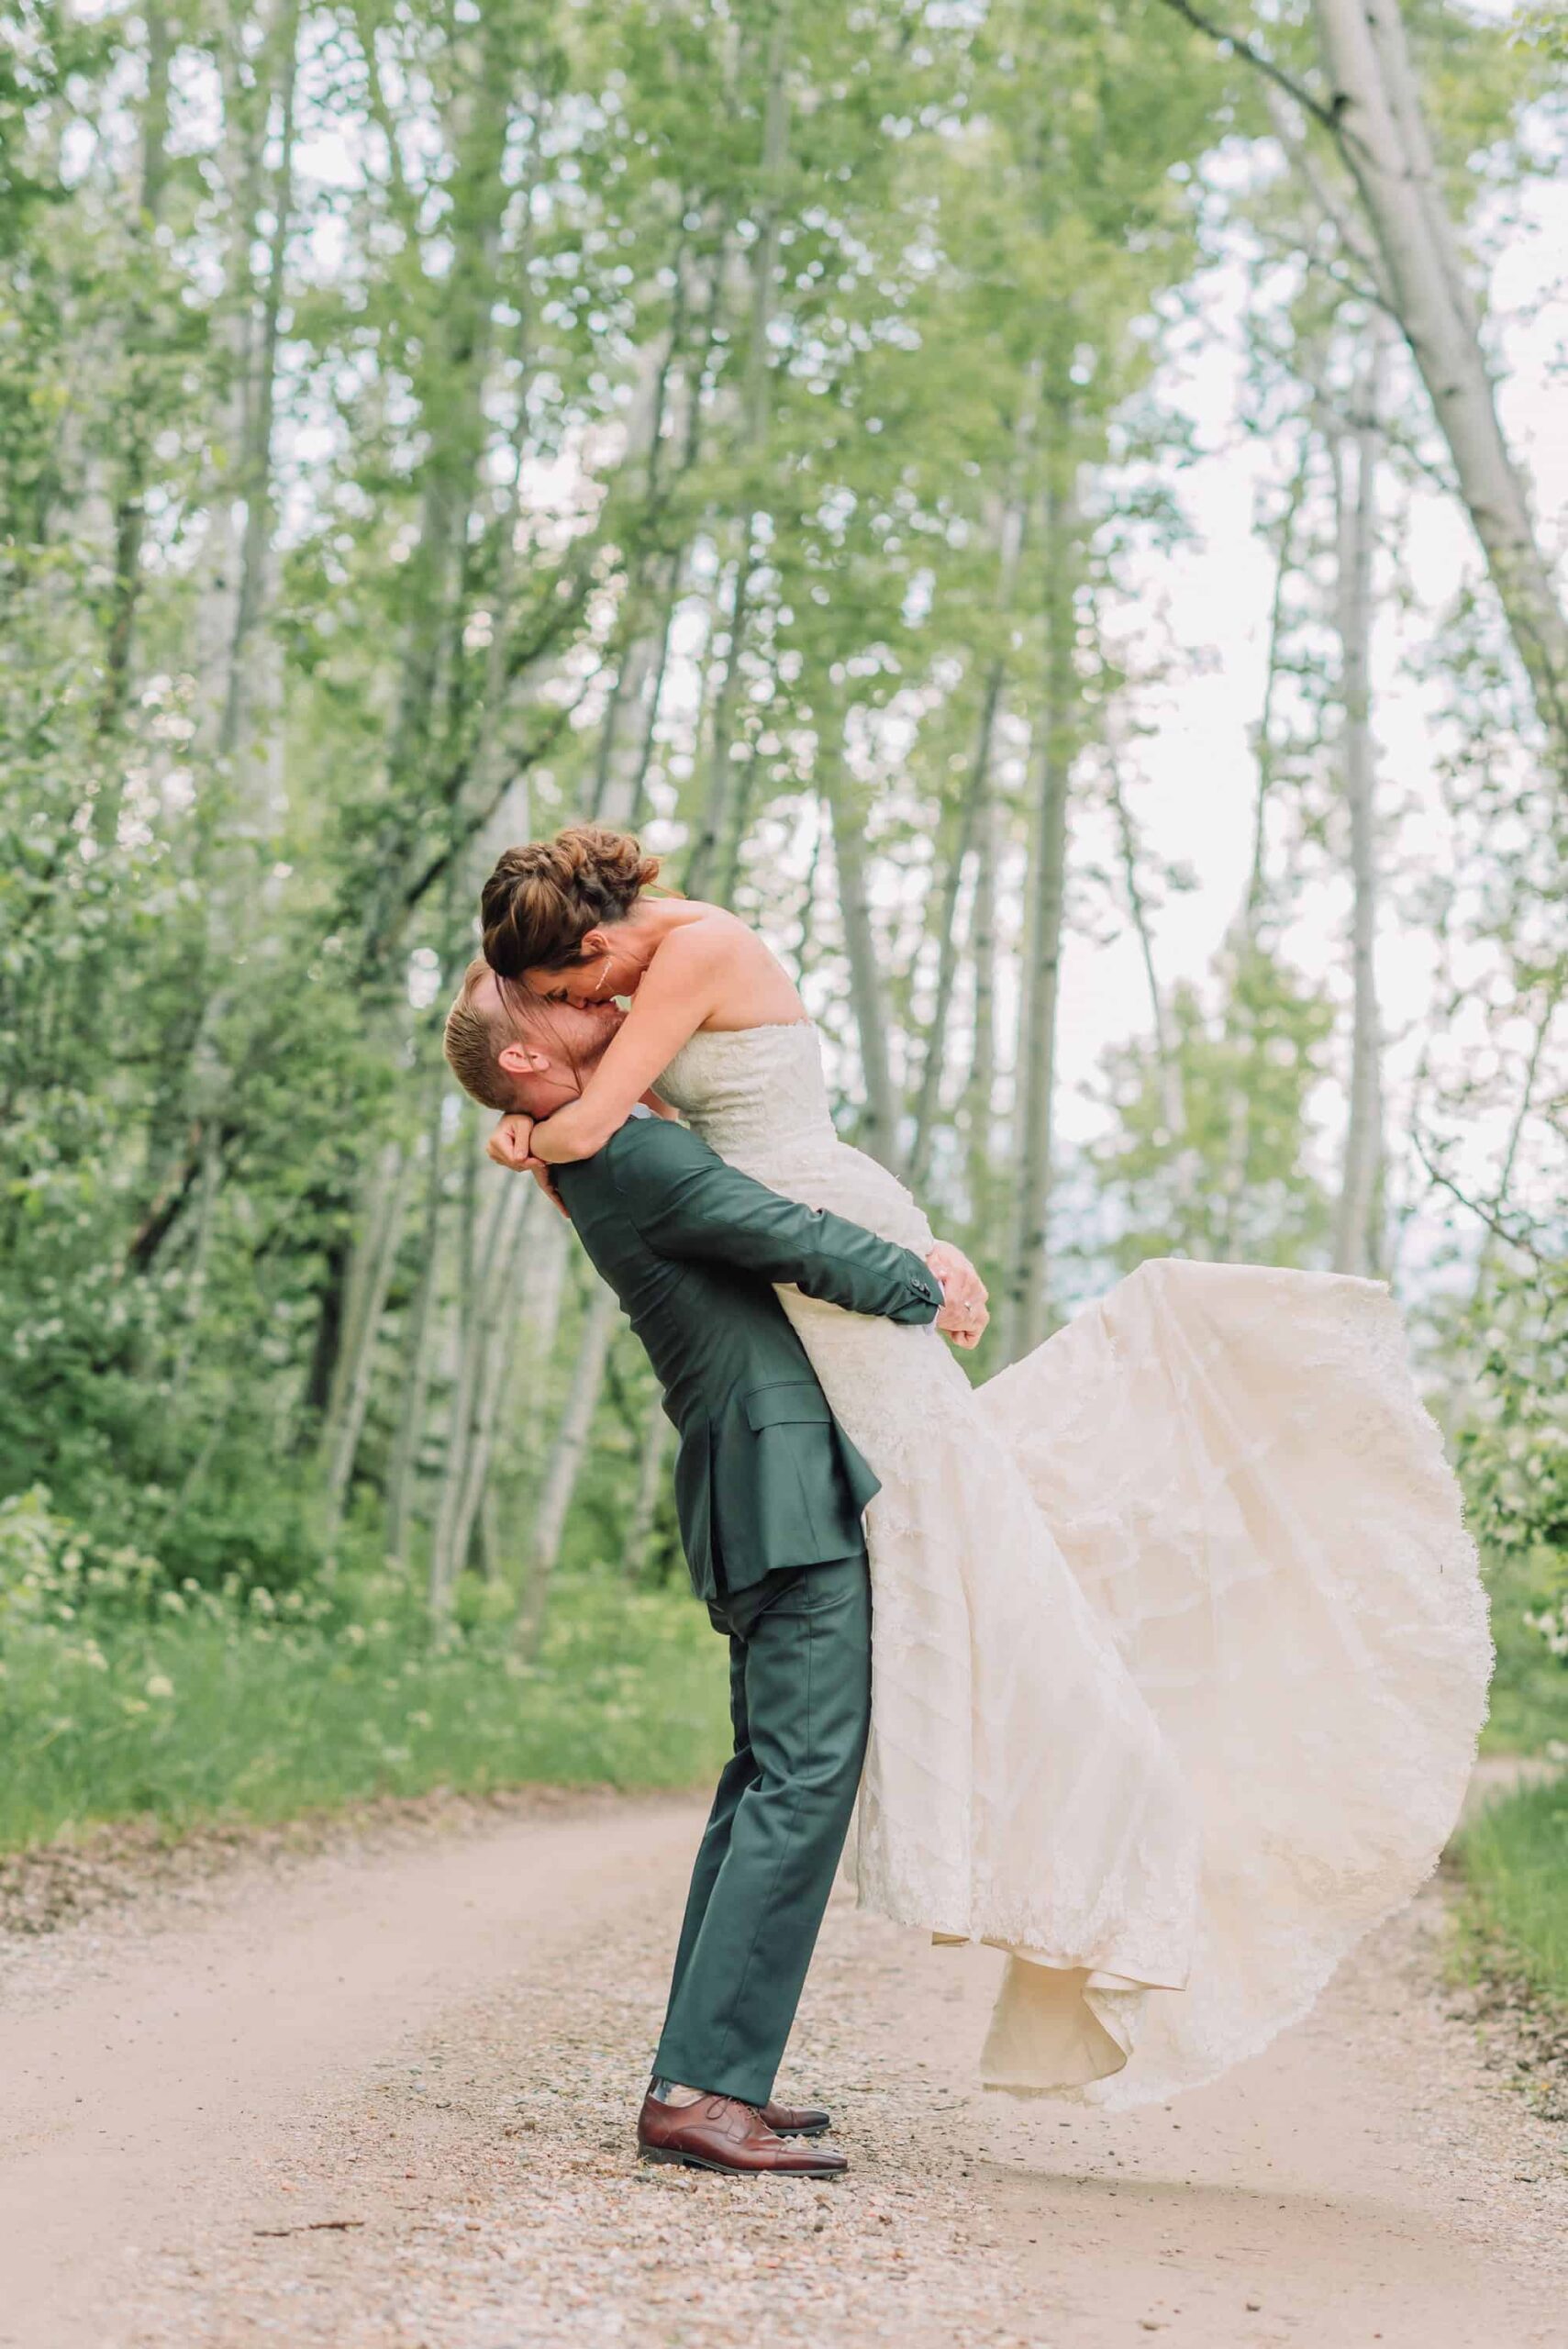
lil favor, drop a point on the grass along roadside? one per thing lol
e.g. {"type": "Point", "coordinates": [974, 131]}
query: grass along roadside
{"type": "Point", "coordinates": [1529, 1710]}
{"type": "Point", "coordinates": [219, 1707]}
{"type": "Point", "coordinates": [1511, 1947]}
{"type": "Point", "coordinates": [1514, 1859]}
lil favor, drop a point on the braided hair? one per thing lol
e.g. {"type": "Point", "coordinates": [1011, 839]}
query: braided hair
{"type": "Point", "coordinates": [544, 897]}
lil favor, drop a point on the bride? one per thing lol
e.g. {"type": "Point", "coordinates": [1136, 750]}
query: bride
{"type": "Point", "coordinates": [1180, 1650]}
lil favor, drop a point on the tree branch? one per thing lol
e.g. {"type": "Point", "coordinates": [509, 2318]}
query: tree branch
{"type": "Point", "coordinates": [1485, 1215]}
{"type": "Point", "coordinates": [1329, 115]}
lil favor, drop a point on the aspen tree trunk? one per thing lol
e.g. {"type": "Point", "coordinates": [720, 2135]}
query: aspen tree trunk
{"type": "Point", "coordinates": [451, 386]}
{"type": "Point", "coordinates": [1382, 136]}
{"type": "Point", "coordinates": [980, 1090]}
{"type": "Point", "coordinates": [1263, 739]}
{"type": "Point", "coordinates": [495, 1353]}
{"type": "Point", "coordinates": [626, 792]}
{"type": "Point", "coordinates": [403, 1478]}
{"type": "Point", "coordinates": [235, 896]}
{"type": "Point", "coordinates": [374, 1260]}
{"type": "Point", "coordinates": [627, 739]}
{"type": "Point", "coordinates": [544, 1291]}
{"type": "Point", "coordinates": [610, 800]}
{"type": "Point", "coordinates": [1355, 1241]}
{"type": "Point", "coordinates": [775, 162]}
{"type": "Point", "coordinates": [487, 1306]}
{"type": "Point", "coordinates": [622, 775]}
{"type": "Point", "coordinates": [1336, 204]}
{"type": "Point", "coordinates": [1172, 1107]}
{"type": "Point", "coordinates": [928, 1101]}
{"type": "Point", "coordinates": [878, 1132]}
{"type": "Point", "coordinates": [241, 172]}
{"type": "Point", "coordinates": [644, 1520]}
{"type": "Point", "coordinates": [1011, 528]}
{"type": "Point", "coordinates": [565, 1463]}
{"type": "Point", "coordinates": [714, 856]}
{"type": "Point", "coordinates": [1247, 928]}
{"type": "Point", "coordinates": [708, 846]}
{"type": "Point", "coordinates": [507, 1363]}
{"type": "Point", "coordinates": [130, 515]}
{"type": "Point", "coordinates": [255, 483]}
{"type": "Point", "coordinates": [429, 732]}
{"type": "Point", "coordinates": [1027, 1310]}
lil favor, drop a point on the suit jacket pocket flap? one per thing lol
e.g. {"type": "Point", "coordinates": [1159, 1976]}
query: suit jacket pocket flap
{"type": "Point", "coordinates": [792, 1399]}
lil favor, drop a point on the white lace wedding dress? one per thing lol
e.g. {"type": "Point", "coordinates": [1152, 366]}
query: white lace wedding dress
{"type": "Point", "coordinates": [1180, 1652]}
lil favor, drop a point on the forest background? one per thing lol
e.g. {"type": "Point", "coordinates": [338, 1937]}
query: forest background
{"type": "Point", "coordinates": [1050, 507]}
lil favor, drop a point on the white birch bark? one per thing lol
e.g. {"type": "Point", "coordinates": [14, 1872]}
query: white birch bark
{"type": "Point", "coordinates": [1355, 456]}
{"type": "Point", "coordinates": [1173, 1108]}
{"type": "Point", "coordinates": [1026, 1302]}
{"type": "Point", "coordinates": [650, 1466]}
{"type": "Point", "coordinates": [242, 722]}
{"type": "Point", "coordinates": [980, 1089]}
{"type": "Point", "coordinates": [1382, 136]}
{"type": "Point", "coordinates": [370, 1278]}
{"type": "Point", "coordinates": [248, 729]}
{"type": "Point", "coordinates": [495, 1352]}
{"type": "Point", "coordinates": [928, 1102]}
{"type": "Point", "coordinates": [129, 516]}
{"type": "Point", "coordinates": [403, 1477]}
{"type": "Point", "coordinates": [487, 1305]}
{"type": "Point", "coordinates": [878, 1132]}
{"type": "Point", "coordinates": [565, 1463]}
{"type": "Point", "coordinates": [715, 857]}
{"type": "Point", "coordinates": [928, 1098]}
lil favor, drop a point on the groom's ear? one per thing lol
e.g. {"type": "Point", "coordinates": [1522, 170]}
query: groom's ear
{"type": "Point", "coordinates": [522, 1059]}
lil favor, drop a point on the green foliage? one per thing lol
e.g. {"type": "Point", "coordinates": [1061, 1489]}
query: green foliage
{"type": "Point", "coordinates": [1529, 1708]}
{"type": "Point", "coordinates": [121, 1693]}
{"type": "Point", "coordinates": [1512, 1444]}
{"type": "Point", "coordinates": [1211, 1156]}
{"type": "Point", "coordinates": [1515, 1857]}
{"type": "Point", "coordinates": [1513, 1451]}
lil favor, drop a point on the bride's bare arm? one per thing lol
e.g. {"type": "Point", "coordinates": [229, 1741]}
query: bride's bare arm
{"type": "Point", "coordinates": [682, 984]}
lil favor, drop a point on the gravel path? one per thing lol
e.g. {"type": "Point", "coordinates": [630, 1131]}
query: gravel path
{"type": "Point", "coordinates": [381, 2097]}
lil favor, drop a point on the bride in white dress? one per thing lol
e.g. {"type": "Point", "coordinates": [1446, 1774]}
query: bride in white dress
{"type": "Point", "coordinates": [1180, 1649]}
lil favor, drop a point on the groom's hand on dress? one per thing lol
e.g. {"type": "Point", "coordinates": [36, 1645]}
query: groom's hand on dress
{"type": "Point", "coordinates": [965, 1311]}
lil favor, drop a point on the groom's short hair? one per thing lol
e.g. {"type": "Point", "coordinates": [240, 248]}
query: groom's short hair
{"type": "Point", "coordinates": [475, 1037]}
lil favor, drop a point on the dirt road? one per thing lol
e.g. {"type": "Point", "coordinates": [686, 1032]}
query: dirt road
{"type": "Point", "coordinates": [381, 2100]}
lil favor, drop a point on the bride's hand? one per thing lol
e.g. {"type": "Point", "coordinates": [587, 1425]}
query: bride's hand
{"type": "Point", "coordinates": [511, 1144]}
{"type": "Point", "coordinates": [964, 1313]}
{"type": "Point", "coordinates": [964, 1324]}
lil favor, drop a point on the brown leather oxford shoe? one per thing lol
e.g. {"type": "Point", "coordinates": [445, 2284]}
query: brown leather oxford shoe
{"type": "Point", "coordinates": [719, 2133]}
{"type": "Point", "coordinates": [797, 2120]}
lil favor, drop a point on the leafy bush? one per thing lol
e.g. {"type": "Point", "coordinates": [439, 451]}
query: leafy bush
{"type": "Point", "coordinates": [122, 1693]}
{"type": "Point", "coordinates": [1513, 1445]}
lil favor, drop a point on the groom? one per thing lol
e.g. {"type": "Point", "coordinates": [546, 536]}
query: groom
{"type": "Point", "coordinates": [768, 1492]}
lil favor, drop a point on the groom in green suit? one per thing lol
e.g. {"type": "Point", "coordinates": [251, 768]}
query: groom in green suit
{"type": "Point", "coordinates": [768, 1492]}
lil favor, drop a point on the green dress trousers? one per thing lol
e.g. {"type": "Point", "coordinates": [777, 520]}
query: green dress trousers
{"type": "Point", "coordinates": [800, 1702]}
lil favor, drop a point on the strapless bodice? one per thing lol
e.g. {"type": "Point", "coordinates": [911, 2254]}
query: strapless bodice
{"type": "Point", "coordinates": [752, 1089]}
{"type": "Point", "coordinates": [758, 1097]}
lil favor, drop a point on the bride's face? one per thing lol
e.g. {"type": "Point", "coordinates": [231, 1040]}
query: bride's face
{"type": "Point", "coordinates": [608, 969]}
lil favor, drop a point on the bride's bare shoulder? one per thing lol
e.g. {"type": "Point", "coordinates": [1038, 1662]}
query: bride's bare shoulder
{"type": "Point", "coordinates": [716, 945]}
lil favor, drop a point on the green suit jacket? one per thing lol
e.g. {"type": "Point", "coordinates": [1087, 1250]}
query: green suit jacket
{"type": "Point", "coordinates": [766, 1476]}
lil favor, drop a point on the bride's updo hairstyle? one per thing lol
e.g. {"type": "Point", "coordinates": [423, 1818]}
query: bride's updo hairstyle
{"type": "Point", "coordinates": [543, 898]}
